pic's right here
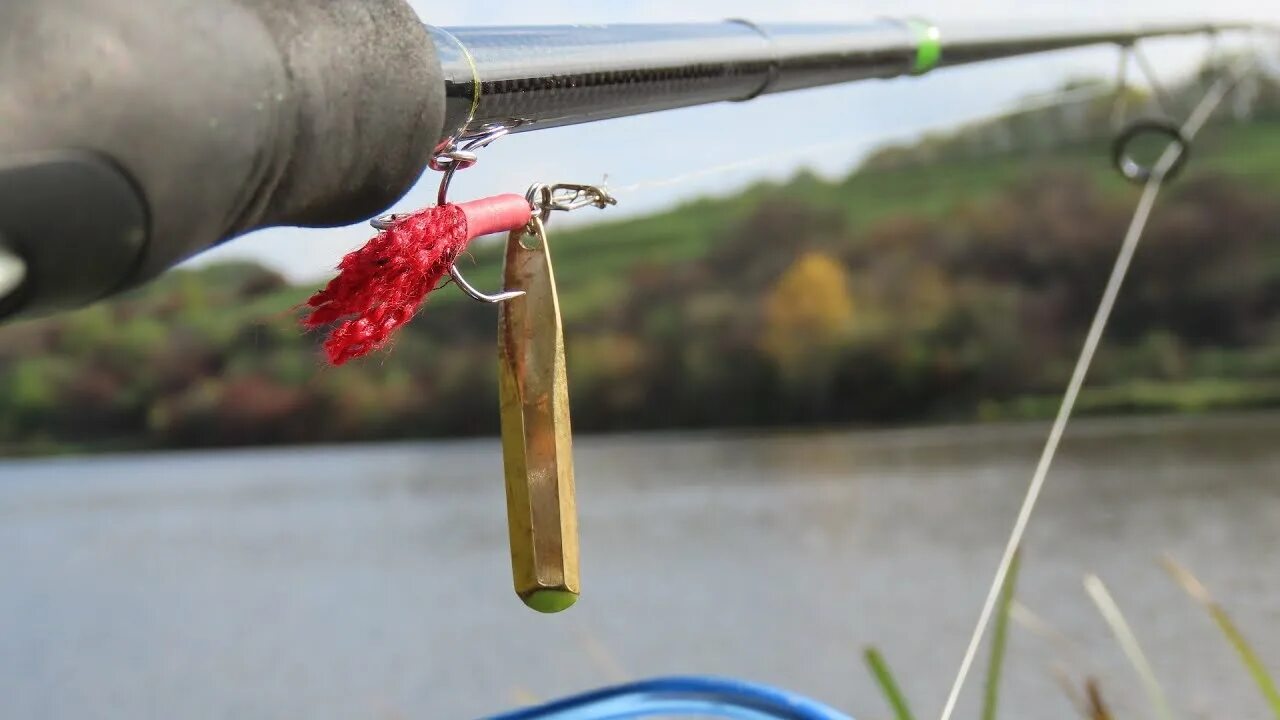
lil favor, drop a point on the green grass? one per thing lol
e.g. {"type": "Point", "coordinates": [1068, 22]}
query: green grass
{"type": "Point", "coordinates": [1091, 704]}
{"type": "Point", "coordinates": [1253, 664]}
{"type": "Point", "coordinates": [1146, 396]}
{"type": "Point", "coordinates": [1000, 640]}
{"type": "Point", "coordinates": [1129, 644]}
{"type": "Point", "coordinates": [1248, 151]}
{"type": "Point", "coordinates": [888, 685]}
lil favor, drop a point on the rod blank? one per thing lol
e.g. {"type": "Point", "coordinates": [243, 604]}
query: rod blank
{"type": "Point", "coordinates": [971, 44]}
{"type": "Point", "coordinates": [527, 78]}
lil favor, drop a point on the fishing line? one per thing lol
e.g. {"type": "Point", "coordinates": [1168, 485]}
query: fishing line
{"type": "Point", "coordinates": [1031, 104]}
{"type": "Point", "coordinates": [747, 164]}
{"type": "Point", "coordinates": [1167, 161]}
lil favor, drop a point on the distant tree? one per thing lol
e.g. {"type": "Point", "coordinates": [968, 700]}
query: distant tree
{"type": "Point", "coordinates": [807, 314]}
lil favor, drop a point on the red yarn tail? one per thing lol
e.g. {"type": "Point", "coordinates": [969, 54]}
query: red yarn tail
{"type": "Point", "coordinates": [381, 285]}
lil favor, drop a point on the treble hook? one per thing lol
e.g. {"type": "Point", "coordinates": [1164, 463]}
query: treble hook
{"type": "Point", "coordinates": [542, 200]}
{"type": "Point", "coordinates": [475, 294]}
{"type": "Point", "coordinates": [450, 161]}
{"type": "Point", "coordinates": [460, 160]}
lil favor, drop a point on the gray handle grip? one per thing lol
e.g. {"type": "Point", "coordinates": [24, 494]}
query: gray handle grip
{"type": "Point", "coordinates": [222, 116]}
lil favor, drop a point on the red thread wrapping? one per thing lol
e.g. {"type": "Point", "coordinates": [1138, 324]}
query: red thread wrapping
{"type": "Point", "coordinates": [380, 286]}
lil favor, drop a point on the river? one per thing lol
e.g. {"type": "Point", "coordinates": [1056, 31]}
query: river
{"type": "Point", "coordinates": [373, 581]}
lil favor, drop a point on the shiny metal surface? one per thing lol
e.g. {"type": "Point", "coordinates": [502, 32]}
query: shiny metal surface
{"type": "Point", "coordinates": [537, 77]}
{"type": "Point", "coordinates": [526, 78]}
{"type": "Point", "coordinates": [537, 443]}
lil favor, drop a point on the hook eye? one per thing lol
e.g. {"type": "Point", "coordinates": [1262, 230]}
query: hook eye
{"type": "Point", "coordinates": [1134, 171]}
{"type": "Point", "coordinates": [384, 222]}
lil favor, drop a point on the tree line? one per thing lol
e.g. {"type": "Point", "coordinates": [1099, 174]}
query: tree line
{"type": "Point", "coordinates": [902, 293]}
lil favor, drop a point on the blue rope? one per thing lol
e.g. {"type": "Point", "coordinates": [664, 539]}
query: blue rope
{"type": "Point", "coordinates": [704, 697]}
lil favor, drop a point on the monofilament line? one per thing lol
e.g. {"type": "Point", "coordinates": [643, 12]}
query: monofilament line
{"type": "Point", "coordinates": [1096, 329]}
{"type": "Point", "coordinates": [1047, 102]}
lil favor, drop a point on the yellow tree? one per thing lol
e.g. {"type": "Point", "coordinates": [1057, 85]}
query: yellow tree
{"type": "Point", "coordinates": [807, 314]}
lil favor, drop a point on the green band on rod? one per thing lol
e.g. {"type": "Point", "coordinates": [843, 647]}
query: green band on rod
{"type": "Point", "coordinates": [928, 46]}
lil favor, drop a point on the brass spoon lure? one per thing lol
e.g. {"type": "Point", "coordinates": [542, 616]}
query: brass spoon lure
{"type": "Point", "coordinates": [536, 442]}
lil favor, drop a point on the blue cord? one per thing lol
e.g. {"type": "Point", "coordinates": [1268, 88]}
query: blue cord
{"type": "Point", "coordinates": [704, 697]}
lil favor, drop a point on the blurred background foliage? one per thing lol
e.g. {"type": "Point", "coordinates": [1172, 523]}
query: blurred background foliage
{"type": "Point", "coordinates": [948, 279]}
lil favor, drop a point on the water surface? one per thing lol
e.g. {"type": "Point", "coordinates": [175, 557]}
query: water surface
{"type": "Point", "coordinates": [373, 581]}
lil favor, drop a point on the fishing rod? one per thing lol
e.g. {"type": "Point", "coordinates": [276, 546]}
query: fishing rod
{"type": "Point", "coordinates": [139, 134]}
{"type": "Point", "coordinates": [136, 135]}
{"type": "Point", "coordinates": [530, 78]}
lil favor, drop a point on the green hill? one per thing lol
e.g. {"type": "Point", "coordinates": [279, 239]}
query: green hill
{"type": "Point", "coordinates": [946, 280]}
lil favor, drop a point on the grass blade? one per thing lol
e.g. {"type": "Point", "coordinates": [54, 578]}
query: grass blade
{"type": "Point", "coordinates": [1070, 654]}
{"type": "Point", "coordinates": [1071, 662]}
{"type": "Point", "coordinates": [999, 640]}
{"type": "Point", "coordinates": [1129, 644]}
{"type": "Point", "coordinates": [884, 678]}
{"type": "Point", "coordinates": [1097, 709]}
{"type": "Point", "coordinates": [1251, 661]}
{"type": "Point", "coordinates": [1068, 686]}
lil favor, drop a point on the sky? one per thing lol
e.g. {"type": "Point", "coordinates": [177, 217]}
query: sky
{"type": "Point", "coordinates": [717, 149]}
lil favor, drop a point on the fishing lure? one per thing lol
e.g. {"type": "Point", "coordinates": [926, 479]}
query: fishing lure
{"type": "Point", "coordinates": [382, 285]}
{"type": "Point", "coordinates": [537, 449]}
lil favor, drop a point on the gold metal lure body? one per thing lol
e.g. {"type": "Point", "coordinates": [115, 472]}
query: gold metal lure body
{"type": "Point", "coordinates": [537, 449]}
